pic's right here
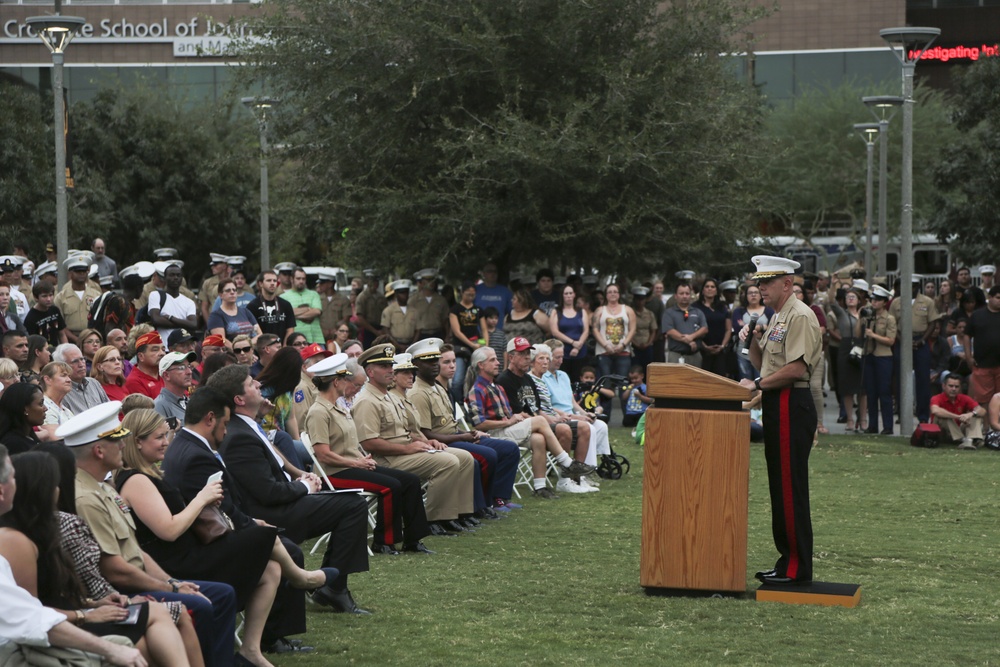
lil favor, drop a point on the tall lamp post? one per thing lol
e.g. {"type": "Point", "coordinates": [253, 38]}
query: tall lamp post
{"type": "Point", "coordinates": [261, 107]}
{"type": "Point", "coordinates": [907, 44]}
{"type": "Point", "coordinates": [883, 107]}
{"type": "Point", "coordinates": [868, 132]}
{"type": "Point", "coordinates": [56, 33]}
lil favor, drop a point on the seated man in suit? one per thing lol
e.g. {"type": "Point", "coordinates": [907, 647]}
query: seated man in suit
{"type": "Point", "coordinates": [190, 460]}
{"type": "Point", "coordinates": [280, 493]}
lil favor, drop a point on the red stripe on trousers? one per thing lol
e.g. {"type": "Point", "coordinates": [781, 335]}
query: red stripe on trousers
{"type": "Point", "coordinates": [785, 446]}
{"type": "Point", "coordinates": [484, 472]}
{"type": "Point", "coordinates": [385, 502]}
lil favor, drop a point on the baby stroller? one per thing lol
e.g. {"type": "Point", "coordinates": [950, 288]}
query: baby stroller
{"type": "Point", "coordinates": [611, 466]}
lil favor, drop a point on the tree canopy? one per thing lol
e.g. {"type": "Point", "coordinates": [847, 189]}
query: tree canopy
{"type": "Point", "coordinates": [439, 133]}
{"type": "Point", "coordinates": [967, 173]}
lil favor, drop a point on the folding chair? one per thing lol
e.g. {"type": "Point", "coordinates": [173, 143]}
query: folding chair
{"type": "Point", "coordinates": [524, 475]}
{"type": "Point", "coordinates": [369, 497]}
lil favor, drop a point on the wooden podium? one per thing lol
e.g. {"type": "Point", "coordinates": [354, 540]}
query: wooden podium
{"type": "Point", "coordinates": [695, 482]}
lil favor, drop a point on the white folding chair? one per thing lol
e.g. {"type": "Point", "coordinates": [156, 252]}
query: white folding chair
{"type": "Point", "coordinates": [369, 497]}
{"type": "Point", "coordinates": [460, 418]}
{"type": "Point", "coordinates": [524, 475]}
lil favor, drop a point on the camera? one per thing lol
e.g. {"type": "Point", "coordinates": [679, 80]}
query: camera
{"type": "Point", "coordinates": [867, 312]}
{"type": "Point", "coordinates": [858, 274]}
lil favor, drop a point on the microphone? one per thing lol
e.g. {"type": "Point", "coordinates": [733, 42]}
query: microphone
{"type": "Point", "coordinates": [746, 341]}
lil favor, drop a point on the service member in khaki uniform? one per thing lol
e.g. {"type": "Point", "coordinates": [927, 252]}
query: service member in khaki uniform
{"type": "Point", "coordinates": [381, 424]}
{"type": "Point", "coordinates": [880, 336]}
{"type": "Point", "coordinates": [399, 320]}
{"type": "Point", "coordinates": [923, 312]}
{"type": "Point", "coordinates": [786, 354]}
{"type": "Point", "coordinates": [76, 297]}
{"type": "Point", "coordinates": [431, 308]}
{"type": "Point", "coordinates": [646, 326]}
{"type": "Point", "coordinates": [210, 287]}
{"type": "Point", "coordinates": [369, 306]}
{"type": "Point", "coordinates": [336, 308]}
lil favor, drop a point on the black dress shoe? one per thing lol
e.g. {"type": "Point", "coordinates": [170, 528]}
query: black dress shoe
{"type": "Point", "coordinates": [886, 431]}
{"type": "Point", "coordinates": [454, 526]}
{"type": "Point", "coordinates": [386, 549]}
{"type": "Point", "coordinates": [417, 548]}
{"type": "Point", "coordinates": [342, 602]}
{"type": "Point", "coordinates": [487, 513]}
{"type": "Point", "coordinates": [783, 581]}
{"type": "Point", "coordinates": [469, 521]}
{"type": "Point", "coordinates": [284, 645]}
{"type": "Point", "coordinates": [440, 531]}
{"type": "Point", "coordinates": [873, 430]}
{"type": "Point", "coordinates": [765, 573]}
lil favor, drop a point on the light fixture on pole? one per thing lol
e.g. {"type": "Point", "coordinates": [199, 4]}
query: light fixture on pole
{"type": "Point", "coordinates": [868, 132]}
{"type": "Point", "coordinates": [261, 107]}
{"type": "Point", "coordinates": [907, 44]}
{"type": "Point", "coordinates": [56, 33]}
{"type": "Point", "coordinates": [883, 107]}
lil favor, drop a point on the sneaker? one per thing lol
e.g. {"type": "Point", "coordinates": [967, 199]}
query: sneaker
{"type": "Point", "coordinates": [587, 486]}
{"type": "Point", "coordinates": [966, 444]}
{"type": "Point", "coordinates": [513, 506]}
{"type": "Point", "coordinates": [977, 442]}
{"type": "Point", "coordinates": [545, 493]}
{"type": "Point", "coordinates": [576, 469]}
{"type": "Point", "coordinates": [567, 485]}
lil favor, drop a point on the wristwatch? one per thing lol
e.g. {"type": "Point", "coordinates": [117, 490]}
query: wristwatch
{"type": "Point", "coordinates": [756, 383]}
{"type": "Point", "coordinates": [174, 584]}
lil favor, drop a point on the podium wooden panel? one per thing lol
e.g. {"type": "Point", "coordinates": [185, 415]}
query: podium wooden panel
{"type": "Point", "coordinates": [695, 482]}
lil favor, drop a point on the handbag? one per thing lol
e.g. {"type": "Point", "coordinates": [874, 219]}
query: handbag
{"type": "Point", "coordinates": [211, 524]}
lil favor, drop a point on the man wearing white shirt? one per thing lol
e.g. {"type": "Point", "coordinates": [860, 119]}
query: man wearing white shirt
{"type": "Point", "coordinates": [26, 622]}
{"type": "Point", "coordinates": [176, 310]}
{"type": "Point", "coordinates": [278, 492]}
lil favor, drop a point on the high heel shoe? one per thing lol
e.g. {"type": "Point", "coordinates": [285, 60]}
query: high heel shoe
{"type": "Point", "coordinates": [330, 574]}
{"type": "Point", "coordinates": [850, 427]}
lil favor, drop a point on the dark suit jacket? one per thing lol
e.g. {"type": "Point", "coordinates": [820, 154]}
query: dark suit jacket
{"type": "Point", "coordinates": [260, 478]}
{"type": "Point", "coordinates": [187, 467]}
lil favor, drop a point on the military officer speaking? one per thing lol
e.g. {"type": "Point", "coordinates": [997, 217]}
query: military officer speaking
{"type": "Point", "coordinates": [786, 352]}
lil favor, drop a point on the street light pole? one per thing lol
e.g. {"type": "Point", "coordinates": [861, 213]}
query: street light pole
{"type": "Point", "coordinates": [907, 44]}
{"type": "Point", "coordinates": [56, 33]}
{"type": "Point", "coordinates": [883, 108]}
{"type": "Point", "coordinates": [868, 132]}
{"type": "Point", "coordinates": [261, 106]}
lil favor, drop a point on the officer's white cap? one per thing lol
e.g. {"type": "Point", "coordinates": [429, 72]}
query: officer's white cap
{"type": "Point", "coordinates": [98, 423]}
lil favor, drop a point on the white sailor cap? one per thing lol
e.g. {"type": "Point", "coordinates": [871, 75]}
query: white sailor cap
{"type": "Point", "coordinates": [917, 278]}
{"type": "Point", "coordinates": [640, 290]}
{"type": "Point", "coordinates": [98, 423]}
{"type": "Point", "coordinates": [86, 254]}
{"type": "Point", "coordinates": [879, 292]}
{"type": "Point", "coordinates": [106, 281]}
{"type": "Point", "coordinates": [987, 268]}
{"type": "Point", "coordinates": [685, 274]}
{"type": "Point", "coordinates": [332, 366]}
{"type": "Point", "coordinates": [285, 267]}
{"type": "Point", "coordinates": [28, 268]}
{"type": "Point", "coordinates": [326, 274]}
{"type": "Point", "coordinates": [77, 262]}
{"type": "Point", "coordinates": [401, 284]}
{"type": "Point", "coordinates": [370, 273]}
{"type": "Point", "coordinates": [727, 285]}
{"type": "Point", "coordinates": [403, 362]}
{"type": "Point", "coordinates": [12, 261]}
{"type": "Point", "coordinates": [769, 266]}
{"type": "Point", "coordinates": [46, 267]}
{"type": "Point", "coordinates": [428, 348]}
{"type": "Point", "coordinates": [236, 260]}
{"type": "Point", "coordinates": [217, 258]}
{"type": "Point", "coordinates": [425, 274]}
{"type": "Point", "coordinates": [145, 270]}
{"type": "Point", "coordinates": [92, 271]}
{"type": "Point", "coordinates": [6, 263]}
{"type": "Point", "coordinates": [860, 284]}
{"type": "Point", "coordinates": [161, 267]}
{"type": "Point", "coordinates": [165, 253]}
{"type": "Point", "coordinates": [127, 271]}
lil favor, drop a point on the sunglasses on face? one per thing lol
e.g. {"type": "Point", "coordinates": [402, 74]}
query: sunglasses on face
{"type": "Point", "coordinates": [241, 350]}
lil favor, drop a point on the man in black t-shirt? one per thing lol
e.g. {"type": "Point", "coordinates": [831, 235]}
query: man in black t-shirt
{"type": "Point", "coordinates": [44, 319]}
{"type": "Point", "coordinates": [982, 348]}
{"type": "Point", "coordinates": [275, 316]}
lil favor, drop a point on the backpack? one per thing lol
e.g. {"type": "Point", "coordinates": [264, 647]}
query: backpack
{"type": "Point", "coordinates": [142, 315]}
{"type": "Point", "coordinates": [926, 435]}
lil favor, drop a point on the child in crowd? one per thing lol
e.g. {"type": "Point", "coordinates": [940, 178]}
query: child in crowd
{"type": "Point", "coordinates": [494, 337]}
{"type": "Point", "coordinates": [44, 319]}
{"type": "Point", "coordinates": [634, 397]}
{"type": "Point", "coordinates": [598, 405]}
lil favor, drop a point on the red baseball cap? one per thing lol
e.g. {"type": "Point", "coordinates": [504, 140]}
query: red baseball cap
{"type": "Point", "coordinates": [312, 350]}
{"type": "Point", "coordinates": [519, 344]}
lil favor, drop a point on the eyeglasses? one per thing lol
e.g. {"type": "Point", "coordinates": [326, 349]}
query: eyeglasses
{"type": "Point", "coordinates": [346, 331]}
{"type": "Point", "coordinates": [299, 343]}
{"type": "Point", "coordinates": [273, 343]}
{"type": "Point", "coordinates": [183, 368]}
{"type": "Point", "coordinates": [242, 350]}
{"type": "Point", "coordinates": [229, 290]}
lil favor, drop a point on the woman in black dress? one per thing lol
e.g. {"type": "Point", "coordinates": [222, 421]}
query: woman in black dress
{"type": "Point", "coordinates": [250, 560]}
{"type": "Point", "coordinates": [715, 344]}
{"type": "Point", "coordinates": [29, 540]}
{"type": "Point", "coordinates": [22, 407]}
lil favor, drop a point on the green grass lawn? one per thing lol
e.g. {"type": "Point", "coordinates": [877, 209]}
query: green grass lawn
{"type": "Point", "coordinates": [558, 582]}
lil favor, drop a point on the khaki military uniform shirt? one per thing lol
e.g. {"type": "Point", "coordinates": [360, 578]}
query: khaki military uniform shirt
{"type": "Point", "coordinates": [209, 290]}
{"type": "Point", "coordinates": [792, 334]}
{"type": "Point", "coordinates": [645, 327]}
{"type": "Point", "coordinates": [329, 424]}
{"type": "Point", "coordinates": [303, 398]}
{"type": "Point", "coordinates": [370, 306]}
{"type": "Point", "coordinates": [74, 310]}
{"type": "Point", "coordinates": [923, 312]}
{"type": "Point", "coordinates": [432, 407]}
{"type": "Point", "coordinates": [885, 325]}
{"type": "Point", "coordinates": [109, 518]}
{"type": "Point", "coordinates": [377, 415]}
{"type": "Point", "coordinates": [402, 326]}
{"type": "Point", "coordinates": [335, 310]}
{"type": "Point", "coordinates": [432, 315]}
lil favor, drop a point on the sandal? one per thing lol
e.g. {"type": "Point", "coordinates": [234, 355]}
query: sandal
{"type": "Point", "coordinates": [850, 427]}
